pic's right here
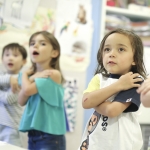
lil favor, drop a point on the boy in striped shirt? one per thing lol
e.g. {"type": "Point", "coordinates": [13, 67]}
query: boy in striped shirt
{"type": "Point", "coordinates": [13, 58]}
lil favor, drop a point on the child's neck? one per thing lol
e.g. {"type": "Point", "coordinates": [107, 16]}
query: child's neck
{"type": "Point", "coordinates": [42, 68]}
{"type": "Point", "coordinates": [12, 73]}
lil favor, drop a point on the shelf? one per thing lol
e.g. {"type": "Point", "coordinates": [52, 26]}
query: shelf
{"type": "Point", "coordinates": [126, 12]}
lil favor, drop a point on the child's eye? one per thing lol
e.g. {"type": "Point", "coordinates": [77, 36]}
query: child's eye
{"type": "Point", "coordinates": [32, 43]}
{"type": "Point", "coordinates": [121, 49]}
{"type": "Point", "coordinates": [15, 55]}
{"type": "Point", "coordinates": [106, 49]}
{"type": "Point", "coordinates": [43, 43]}
{"type": "Point", "coordinates": [6, 54]}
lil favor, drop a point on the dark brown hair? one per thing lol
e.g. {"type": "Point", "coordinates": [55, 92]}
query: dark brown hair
{"type": "Point", "coordinates": [137, 47]}
{"type": "Point", "coordinates": [15, 46]}
{"type": "Point", "coordinates": [54, 63]}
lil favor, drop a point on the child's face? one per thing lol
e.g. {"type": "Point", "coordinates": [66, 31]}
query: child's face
{"type": "Point", "coordinates": [118, 54]}
{"type": "Point", "coordinates": [41, 51]}
{"type": "Point", "coordinates": [13, 61]}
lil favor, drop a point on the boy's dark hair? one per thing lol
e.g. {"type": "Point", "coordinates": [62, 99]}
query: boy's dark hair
{"type": "Point", "coordinates": [137, 47]}
{"type": "Point", "coordinates": [15, 46]}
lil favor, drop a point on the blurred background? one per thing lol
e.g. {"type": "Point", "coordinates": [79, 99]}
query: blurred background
{"type": "Point", "coordinates": [79, 26]}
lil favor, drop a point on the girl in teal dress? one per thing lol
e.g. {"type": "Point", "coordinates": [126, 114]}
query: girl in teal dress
{"type": "Point", "coordinates": [42, 93]}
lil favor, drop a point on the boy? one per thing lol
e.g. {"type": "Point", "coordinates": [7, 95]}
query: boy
{"type": "Point", "coordinates": [13, 58]}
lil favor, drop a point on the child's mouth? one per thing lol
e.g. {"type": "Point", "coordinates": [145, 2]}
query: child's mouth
{"type": "Point", "coordinates": [10, 64]}
{"type": "Point", "coordinates": [111, 62]}
{"type": "Point", "coordinates": [35, 53]}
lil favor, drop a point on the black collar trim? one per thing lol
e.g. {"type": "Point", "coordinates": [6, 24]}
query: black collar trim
{"type": "Point", "coordinates": [115, 76]}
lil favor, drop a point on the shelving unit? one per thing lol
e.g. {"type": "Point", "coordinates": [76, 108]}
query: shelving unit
{"type": "Point", "coordinates": [127, 12]}
{"type": "Point", "coordinates": [136, 15]}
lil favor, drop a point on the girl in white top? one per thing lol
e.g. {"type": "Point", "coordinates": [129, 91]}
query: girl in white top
{"type": "Point", "coordinates": [112, 93]}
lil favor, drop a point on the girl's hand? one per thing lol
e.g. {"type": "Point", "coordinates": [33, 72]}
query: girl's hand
{"type": "Point", "coordinates": [129, 80]}
{"type": "Point", "coordinates": [14, 85]}
{"type": "Point", "coordinates": [29, 71]}
{"type": "Point", "coordinates": [43, 74]}
{"type": "Point", "coordinates": [145, 87]}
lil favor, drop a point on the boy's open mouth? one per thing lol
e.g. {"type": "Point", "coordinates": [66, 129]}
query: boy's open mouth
{"type": "Point", "coordinates": [10, 64]}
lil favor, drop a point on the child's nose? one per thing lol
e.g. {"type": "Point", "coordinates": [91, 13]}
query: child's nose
{"type": "Point", "coordinates": [112, 53]}
{"type": "Point", "coordinates": [10, 57]}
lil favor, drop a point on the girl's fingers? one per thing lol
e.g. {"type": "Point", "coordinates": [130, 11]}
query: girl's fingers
{"type": "Point", "coordinates": [48, 73]}
{"type": "Point", "coordinates": [138, 79]}
{"type": "Point", "coordinates": [43, 74]}
{"type": "Point", "coordinates": [135, 75]}
{"type": "Point", "coordinates": [136, 85]}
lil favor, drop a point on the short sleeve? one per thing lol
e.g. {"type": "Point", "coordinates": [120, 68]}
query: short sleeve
{"type": "Point", "coordinates": [51, 92]}
{"type": "Point", "coordinates": [129, 96]}
{"type": "Point", "coordinates": [94, 84]}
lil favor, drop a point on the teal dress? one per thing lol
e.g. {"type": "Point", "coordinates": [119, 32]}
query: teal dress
{"type": "Point", "coordinates": [45, 110]}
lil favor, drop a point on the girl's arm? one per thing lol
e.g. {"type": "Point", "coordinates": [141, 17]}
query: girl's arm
{"type": "Point", "coordinates": [22, 99]}
{"type": "Point", "coordinates": [29, 86]}
{"type": "Point", "coordinates": [112, 109]}
{"type": "Point", "coordinates": [24, 94]}
{"type": "Point", "coordinates": [95, 98]}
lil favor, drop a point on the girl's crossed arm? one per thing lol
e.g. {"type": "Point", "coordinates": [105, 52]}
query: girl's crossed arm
{"type": "Point", "coordinates": [97, 99]}
{"type": "Point", "coordinates": [29, 87]}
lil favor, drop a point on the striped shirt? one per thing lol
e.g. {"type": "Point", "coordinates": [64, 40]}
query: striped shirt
{"type": "Point", "coordinates": [10, 110]}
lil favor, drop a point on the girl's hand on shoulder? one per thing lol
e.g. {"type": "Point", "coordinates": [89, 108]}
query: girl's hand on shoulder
{"type": "Point", "coordinates": [145, 87]}
{"type": "Point", "coordinates": [129, 80]}
{"type": "Point", "coordinates": [43, 74]}
{"type": "Point", "coordinates": [28, 72]}
{"type": "Point", "coordinates": [56, 76]}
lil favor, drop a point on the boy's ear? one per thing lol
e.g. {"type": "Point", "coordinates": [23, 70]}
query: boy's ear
{"type": "Point", "coordinates": [55, 53]}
